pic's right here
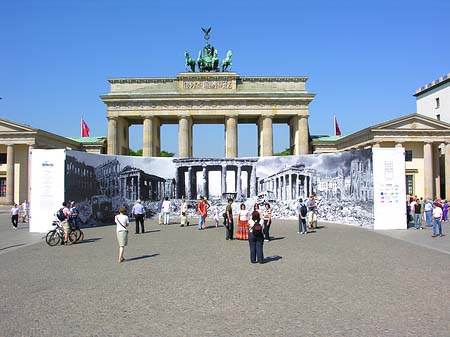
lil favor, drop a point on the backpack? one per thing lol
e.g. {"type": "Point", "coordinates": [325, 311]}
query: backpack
{"type": "Point", "coordinates": [60, 215]}
{"type": "Point", "coordinates": [303, 210]}
{"type": "Point", "coordinates": [257, 230]}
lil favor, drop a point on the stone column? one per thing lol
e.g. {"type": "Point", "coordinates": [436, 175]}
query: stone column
{"type": "Point", "coordinates": [231, 136]}
{"type": "Point", "coordinates": [302, 136]}
{"type": "Point", "coordinates": [428, 170]}
{"type": "Point", "coordinates": [10, 174]}
{"type": "Point", "coordinates": [436, 171]}
{"type": "Point", "coordinates": [447, 170]}
{"type": "Point", "coordinates": [183, 136]}
{"type": "Point", "coordinates": [267, 136]}
{"type": "Point", "coordinates": [112, 136]}
{"type": "Point", "coordinates": [253, 181]}
{"type": "Point", "coordinates": [147, 145]}
{"type": "Point", "coordinates": [189, 184]}
{"type": "Point", "coordinates": [205, 182]}
{"type": "Point", "coordinates": [156, 136]}
{"type": "Point", "coordinates": [224, 179]}
{"type": "Point", "coordinates": [238, 181]}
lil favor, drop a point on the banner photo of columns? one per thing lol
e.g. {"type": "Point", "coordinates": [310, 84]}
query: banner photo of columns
{"type": "Point", "coordinates": [342, 183]}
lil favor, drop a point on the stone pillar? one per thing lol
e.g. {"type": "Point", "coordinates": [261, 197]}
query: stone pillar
{"type": "Point", "coordinates": [224, 179]}
{"type": "Point", "coordinates": [447, 171]}
{"type": "Point", "coordinates": [266, 148]}
{"type": "Point", "coordinates": [436, 170]}
{"type": "Point", "coordinates": [183, 136]}
{"type": "Point", "coordinates": [147, 144]}
{"type": "Point", "coordinates": [189, 184]}
{"type": "Point", "coordinates": [302, 136]}
{"type": "Point", "coordinates": [156, 137]}
{"type": "Point", "coordinates": [112, 136]}
{"type": "Point", "coordinates": [428, 170]}
{"type": "Point", "coordinates": [238, 181]}
{"type": "Point", "coordinates": [231, 136]}
{"type": "Point", "coordinates": [205, 182]}
{"type": "Point", "coordinates": [253, 182]}
{"type": "Point", "coordinates": [10, 174]}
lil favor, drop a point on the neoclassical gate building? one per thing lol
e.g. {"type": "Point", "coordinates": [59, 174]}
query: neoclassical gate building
{"type": "Point", "coordinates": [207, 98]}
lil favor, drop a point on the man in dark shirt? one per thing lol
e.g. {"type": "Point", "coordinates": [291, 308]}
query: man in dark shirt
{"type": "Point", "coordinates": [229, 220]}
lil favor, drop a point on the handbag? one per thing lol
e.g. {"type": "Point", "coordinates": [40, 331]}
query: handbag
{"type": "Point", "coordinates": [120, 223]}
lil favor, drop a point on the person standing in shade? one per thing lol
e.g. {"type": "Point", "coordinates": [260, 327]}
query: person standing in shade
{"type": "Point", "coordinates": [302, 212]}
{"type": "Point", "coordinates": [183, 212]}
{"type": "Point", "coordinates": [428, 212]}
{"type": "Point", "coordinates": [437, 218]}
{"type": "Point", "coordinates": [25, 210]}
{"type": "Point", "coordinates": [166, 211]}
{"type": "Point", "coordinates": [138, 212]}
{"type": "Point", "coordinates": [256, 238]}
{"type": "Point", "coordinates": [122, 223]}
{"type": "Point", "coordinates": [312, 211]}
{"type": "Point", "coordinates": [14, 213]}
{"type": "Point", "coordinates": [229, 227]}
{"type": "Point", "coordinates": [267, 219]}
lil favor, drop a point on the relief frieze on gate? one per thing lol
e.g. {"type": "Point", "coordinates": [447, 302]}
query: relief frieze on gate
{"type": "Point", "coordinates": [209, 83]}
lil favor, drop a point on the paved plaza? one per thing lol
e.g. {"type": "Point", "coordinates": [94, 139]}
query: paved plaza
{"type": "Point", "coordinates": [338, 281]}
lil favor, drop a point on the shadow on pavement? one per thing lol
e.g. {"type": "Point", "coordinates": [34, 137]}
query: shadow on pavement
{"type": "Point", "coordinates": [152, 231]}
{"type": "Point", "coordinates": [18, 245]}
{"type": "Point", "coordinates": [89, 240]}
{"type": "Point", "coordinates": [141, 257]}
{"type": "Point", "coordinates": [272, 258]}
{"type": "Point", "coordinates": [274, 239]}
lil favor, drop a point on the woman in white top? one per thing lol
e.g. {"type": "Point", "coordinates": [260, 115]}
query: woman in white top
{"type": "Point", "coordinates": [242, 220]}
{"type": "Point", "coordinates": [122, 222]}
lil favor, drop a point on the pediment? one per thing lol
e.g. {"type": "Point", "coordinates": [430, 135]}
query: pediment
{"type": "Point", "coordinates": [413, 122]}
{"type": "Point", "coordinates": [12, 127]}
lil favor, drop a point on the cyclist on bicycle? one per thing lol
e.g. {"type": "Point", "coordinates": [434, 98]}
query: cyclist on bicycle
{"type": "Point", "coordinates": [65, 223]}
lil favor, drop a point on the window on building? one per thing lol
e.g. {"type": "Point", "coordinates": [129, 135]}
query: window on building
{"type": "Point", "coordinates": [438, 104]}
{"type": "Point", "coordinates": [2, 187]}
{"type": "Point", "coordinates": [408, 155]}
{"type": "Point", "coordinates": [409, 184]}
{"type": "Point", "coordinates": [2, 158]}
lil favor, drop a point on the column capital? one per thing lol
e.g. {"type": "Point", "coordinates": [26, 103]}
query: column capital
{"type": "Point", "coordinates": [112, 118]}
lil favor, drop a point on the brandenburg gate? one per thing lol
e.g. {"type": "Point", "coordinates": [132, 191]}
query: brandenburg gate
{"type": "Point", "coordinates": [207, 98]}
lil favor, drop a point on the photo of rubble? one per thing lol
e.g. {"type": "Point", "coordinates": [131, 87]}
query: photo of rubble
{"type": "Point", "coordinates": [341, 182]}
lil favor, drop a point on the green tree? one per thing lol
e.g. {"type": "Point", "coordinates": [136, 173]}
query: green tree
{"type": "Point", "coordinates": [138, 153]}
{"type": "Point", "coordinates": [286, 152]}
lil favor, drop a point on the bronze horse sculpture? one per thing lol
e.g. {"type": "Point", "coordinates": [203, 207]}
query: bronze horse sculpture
{"type": "Point", "coordinates": [190, 62]}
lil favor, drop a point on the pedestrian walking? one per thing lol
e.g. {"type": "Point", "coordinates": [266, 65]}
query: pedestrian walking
{"type": "Point", "coordinates": [25, 211]}
{"type": "Point", "coordinates": [138, 212]}
{"type": "Point", "coordinates": [312, 211]}
{"type": "Point", "coordinates": [445, 211]}
{"type": "Point", "coordinates": [14, 213]}
{"type": "Point", "coordinates": [166, 211]}
{"type": "Point", "coordinates": [302, 213]}
{"type": "Point", "coordinates": [242, 222]}
{"type": "Point", "coordinates": [122, 223]}
{"type": "Point", "coordinates": [228, 219]}
{"type": "Point", "coordinates": [428, 212]}
{"type": "Point", "coordinates": [201, 213]}
{"type": "Point", "coordinates": [256, 238]}
{"type": "Point", "coordinates": [183, 213]}
{"type": "Point", "coordinates": [437, 218]}
{"type": "Point", "coordinates": [216, 215]}
{"type": "Point", "coordinates": [267, 220]}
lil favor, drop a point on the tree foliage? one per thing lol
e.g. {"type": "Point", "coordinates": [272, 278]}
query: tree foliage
{"type": "Point", "coordinates": [138, 153]}
{"type": "Point", "coordinates": [286, 152]}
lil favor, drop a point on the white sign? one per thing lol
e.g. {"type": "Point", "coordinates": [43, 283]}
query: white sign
{"type": "Point", "coordinates": [389, 188]}
{"type": "Point", "coordinates": [47, 187]}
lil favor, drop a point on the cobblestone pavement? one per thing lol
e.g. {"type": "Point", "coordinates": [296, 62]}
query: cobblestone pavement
{"type": "Point", "coordinates": [337, 281]}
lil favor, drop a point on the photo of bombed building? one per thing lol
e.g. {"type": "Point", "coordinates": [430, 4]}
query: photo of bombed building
{"type": "Point", "coordinates": [342, 183]}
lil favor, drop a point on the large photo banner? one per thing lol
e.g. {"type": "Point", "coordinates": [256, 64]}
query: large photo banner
{"type": "Point", "coordinates": [342, 184]}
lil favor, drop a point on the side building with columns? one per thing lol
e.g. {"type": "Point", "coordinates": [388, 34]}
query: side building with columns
{"type": "Point", "coordinates": [207, 98]}
{"type": "Point", "coordinates": [16, 142]}
{"type": "Point", "coordinates": [426, 142]}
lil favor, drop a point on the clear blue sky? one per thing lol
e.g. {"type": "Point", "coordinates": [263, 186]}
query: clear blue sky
{"type": "Point", "coordinates": [364, 59]}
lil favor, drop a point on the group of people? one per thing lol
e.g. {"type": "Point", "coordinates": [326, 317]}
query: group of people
{"type": "Point", "coordinates": [432, 212]}
{"type": "Point", "coordinates": [22, 211]}
{"type": "Point", "coordinates": [307, 214]}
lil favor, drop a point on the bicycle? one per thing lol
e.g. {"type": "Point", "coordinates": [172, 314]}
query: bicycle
{"type": "Point", "coordinates": [55, 236]}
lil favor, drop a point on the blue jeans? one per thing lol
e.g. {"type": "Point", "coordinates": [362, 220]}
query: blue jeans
{"type": "Point", "coordinates": [417, 221]}
{"type": "Point", "coordinates": [200, 221]}
{"type": "Point", "coordinates": [256, 248]}
{"type": "Point", "coordinates": [428, 217]}
{"type": "Point", "coordinates": [437, 223]}
{"type": "Point", "coordinates": [302, 225]}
